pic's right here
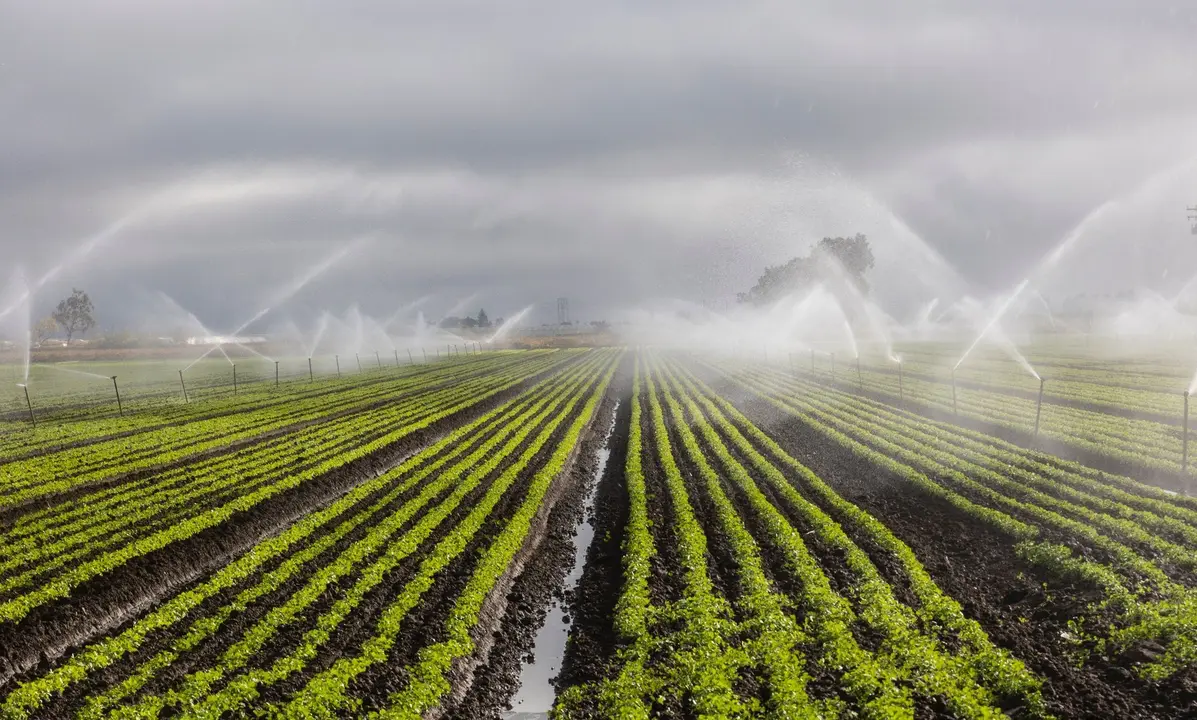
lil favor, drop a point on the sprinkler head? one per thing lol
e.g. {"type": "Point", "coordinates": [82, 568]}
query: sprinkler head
{"type": "Point", "coordinates": [112, 377]}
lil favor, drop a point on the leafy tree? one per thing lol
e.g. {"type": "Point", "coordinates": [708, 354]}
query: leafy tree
{"type": "Point", "coordinates": [469, 323]}
{"type": "Point", "coordinates": [43, 329]}
{"type": "Point", "coordinates": [853, 255]}
{"type": "Point", "coordinates": [483, 320]}
{"type": "Point", "coordinates": [74, 314]}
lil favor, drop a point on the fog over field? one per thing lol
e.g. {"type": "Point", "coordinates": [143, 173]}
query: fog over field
{"type": "Point", "coordinates": [615, 153]}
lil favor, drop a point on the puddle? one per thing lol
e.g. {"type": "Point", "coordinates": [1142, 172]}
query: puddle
{"type": "Point", "coordinates": [536, 694]}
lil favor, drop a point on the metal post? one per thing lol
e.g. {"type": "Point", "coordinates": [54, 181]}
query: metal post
{"type": "Point", "coordinates": [185, 398]}
{"type": "Point", "coordinates": [276, 373]}
{"type": "Point", "coordinates": [955, 409]}
{"type": "Point", "coordinates": [396, 356]}
{"type": "Point", "coordinates": [234, 379]}
{"type": "Point", "coordinates": [338, 359]}
{"type": "Point", "coordinates": [409, 360]}
{"type": "Point", "coordinates": [859, 376]}
{"type": "Point", "coordinates": [1184, 452]}
{"type": "Point", "coordinates": [425, 352]}
{"type": "Point", "coordinates": [311, 375]}
{"type": "Point", "coordinates": [29, 404]}
{"type": "Point", "coordinates": [438, 354]}
{"type": "Point", "coordinates": [119, 408]}
{"type": "Point", "coordinates": [1039, 407]}
{"type": "Point", "coordinates": [359, 361]}
{"type": "Point", "coordinates": [378, 359]}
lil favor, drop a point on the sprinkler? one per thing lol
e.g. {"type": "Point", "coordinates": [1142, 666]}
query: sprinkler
{"type": "Point", "coordinates": [185, 398]}
{"type": "Point", "coordinates": [119, 408]}
{"type": "Point", "coordinates": [234, 379]}
{"type": "Point", "coordinates": [359, 362]}
{"type": "Point", "coordinates": [955, 409]}
{"type": "Point", "coordinates": [1184, 452]}
{"type": "Point", "coordinates": [438, 354]}
{"type": "Point", "coordinates": [425, 353]}
{"type": "Point", "coordinates": [901, 390]}
{"type": "Point", "coordinates": [276, 373]}
{"type": "Point", "coordinates": [1039, 407]}
{"type": "Point", "coordinates": [311, 375]}
{"type": "Point", "coordinates": [859, 376]}
{"type": "Point", "coordinates": [396, 356]}
{"type": "Point", "coordinates": [338, 359]}
{"type": "Point", "coordinates": [409, 360]}
{"type": "Point", "coordinates": [28, 404]}
{"type": "Point", "coordinates": [378, 359]}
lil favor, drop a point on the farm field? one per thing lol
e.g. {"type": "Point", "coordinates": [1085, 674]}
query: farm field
{"type": "Point", "coordinates": [767, 542]}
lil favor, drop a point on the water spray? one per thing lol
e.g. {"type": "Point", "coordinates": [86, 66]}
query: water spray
{"type": "Point", "coordinates": [185, 398]}
{"type": "Point", "coordinates": [28, 404]}
{"type": "Point", "coordinates": [1039, 407]}
{"type": "Point", "coordinates": [119, 408]}
{"type": "Point", "coordinates": [311, 375]}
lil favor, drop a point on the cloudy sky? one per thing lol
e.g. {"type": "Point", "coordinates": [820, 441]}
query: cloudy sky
{"type": "Point", "coordinates": [611, 152]}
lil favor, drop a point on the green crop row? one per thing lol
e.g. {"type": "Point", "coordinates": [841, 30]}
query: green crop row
{"type": "Point", "coordinates": [31, 695]}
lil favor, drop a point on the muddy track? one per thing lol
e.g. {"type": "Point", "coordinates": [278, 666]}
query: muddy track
{"type": "Point", "coordinates": [103, 603]}
{"type": "Point", "coordinates": [592, 640]}
{"type": "Point", "coordinates": [425, 624]}
{"type": "Point", "coordinates": [978, 568]}
{"type": "Point", "coordinates": [486, 689]}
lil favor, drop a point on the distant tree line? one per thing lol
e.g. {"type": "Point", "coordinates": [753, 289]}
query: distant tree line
{"type": "Point", "coordinates": [831, 259]}
{"type": "Point", "coordinates": [469, 323]}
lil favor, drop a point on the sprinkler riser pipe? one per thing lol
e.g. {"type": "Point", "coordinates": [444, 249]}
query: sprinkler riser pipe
{"type": "Point", "coordinates": [409, 360]}
{"type": "Point", "coordinates": [338, 359]}
{"type": "Point", "coordinates": [1184, 461]}
{"type": "Point", "coordinates": [185, 398]}
{"type": "Point", "coordinates": [359, 361]}
{"type": "Point", "coordinates": [119, 408]}
{"type": "Point", "coordinates": [29, 404]}
{"type": "Point", "coordinates": [396, 357]}
{"type": "Point", "coordinates": [234, 379]}
{"type": "Point", "coordinates": [1039, 407]}
{"type": "Point", "coordinates": [311, 375]}
{"type": "Point", "coordinates": [276, 373]}
{"type": "Point", "coordinates": [859, 375]}
{"type": "Point", "coordinates": [378, 359]}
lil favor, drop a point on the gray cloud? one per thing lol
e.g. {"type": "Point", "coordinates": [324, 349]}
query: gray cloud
{"type": "Point", "coordinates": [611, 152]}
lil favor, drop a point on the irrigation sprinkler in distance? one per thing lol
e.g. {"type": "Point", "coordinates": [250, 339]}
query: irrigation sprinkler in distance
{"type": "Point", "coordinates": [119, 408]}
{"type": "Point", "coordinates": [311, 375]}
{"type": "Point", "coordinates": [185, 398]}
{"type": "Point", "coordinates": [396, 356]}
{"type": "Point", "coordinates": [1039, 407]}
{"type": "Point", "coordinates": [338, 359]}
{"type": "Point", "coordinates": [425, 353]}
{"type": "Point", "coordinates": [378, 359]}
{"type": "Point", "coordinates": [359, 362]}
{"type": "Point", "coordinates": [28, 404]}
{"type": "Point", "coordinates": [812, 362]}
{"type": "Point", "coordinates": [234, 379]}
{"type": "Point", "coordinates": [409, 360]}
{"type": "Point", "coordinates": [901, 390]}
{"type": "Point", "coordinates": [276, 373]}
{"type": "Point", "coordinates": [955, 410]}
{"type": "Point", "coordinates": [859, 376]}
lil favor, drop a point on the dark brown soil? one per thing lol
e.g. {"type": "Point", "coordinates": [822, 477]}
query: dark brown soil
{"type": "Point", "coordinates": [1021, 610]}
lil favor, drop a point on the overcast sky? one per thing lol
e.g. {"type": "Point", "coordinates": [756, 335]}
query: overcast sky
{"type": "Point", "coordinates": [611, 152]}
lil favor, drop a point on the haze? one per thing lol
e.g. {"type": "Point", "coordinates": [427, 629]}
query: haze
{"type": "Point", "coordinates": [609, 152]}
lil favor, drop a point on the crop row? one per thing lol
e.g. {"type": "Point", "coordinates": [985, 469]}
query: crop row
{"type": "Point", "coordinates": [786, 633]}
{"type": "Point", "coordinates": [1142, 541]}
{"type": "Point", "coordinates": [308, 581]}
